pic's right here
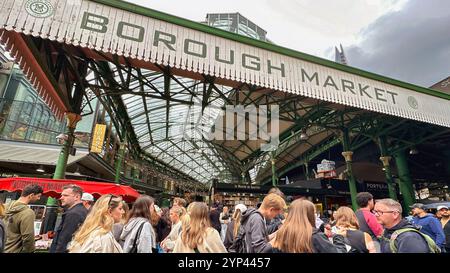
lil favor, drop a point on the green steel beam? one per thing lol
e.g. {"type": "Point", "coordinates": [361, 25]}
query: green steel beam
{"type": "Point", "coordinates": [348, 162]}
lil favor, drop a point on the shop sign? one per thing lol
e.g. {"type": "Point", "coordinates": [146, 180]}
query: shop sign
{"type": "Point", "coordinates": [98, 138]}
{"type": "Point", "coordinates": [102, 27]}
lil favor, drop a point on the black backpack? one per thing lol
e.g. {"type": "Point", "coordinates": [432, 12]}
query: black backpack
{"type": "Point", "coordinates": [239, 244]}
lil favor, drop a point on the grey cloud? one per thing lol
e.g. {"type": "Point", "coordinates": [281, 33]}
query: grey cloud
{"type": "Point", "coordinates": [411, 45]}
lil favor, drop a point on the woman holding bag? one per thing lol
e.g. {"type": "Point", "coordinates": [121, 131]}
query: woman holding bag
{"type": "Point", "coordinates": [138, 235]}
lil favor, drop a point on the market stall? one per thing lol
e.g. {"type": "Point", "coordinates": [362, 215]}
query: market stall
{"type": "Point", "coordinates": [54, 187]}
{"type": "Point", "coordinates": [46, 215]}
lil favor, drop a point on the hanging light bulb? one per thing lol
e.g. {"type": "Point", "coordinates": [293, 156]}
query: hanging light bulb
{"type": "Point", "coordinates": [413, 151]}
{"type": "Point", "coordinates": [303, 135]}
{"type": "Point", "coordinates": [40, 169]}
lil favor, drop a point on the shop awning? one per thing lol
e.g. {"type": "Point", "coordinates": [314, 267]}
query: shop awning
{"type": "Point", "coordinates": [54, 187]}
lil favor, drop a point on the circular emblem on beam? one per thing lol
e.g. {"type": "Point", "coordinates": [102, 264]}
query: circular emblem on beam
{"type": "Point", "coordinates": [39, 8]}
{"type": "Point", "coordinates": [413, 102]}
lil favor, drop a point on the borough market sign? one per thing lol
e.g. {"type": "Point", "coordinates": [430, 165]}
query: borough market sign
{"type": "Point", "coordinates": [101, 26]}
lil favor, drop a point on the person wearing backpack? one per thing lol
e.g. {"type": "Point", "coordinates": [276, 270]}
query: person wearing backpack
{"type": "Point", "coordinates": [399, 235]}
{"type": "Point", "coordinates": [348, 226]}
{"type": "Point", "coordinates": [429, 224]}
{"type": "Point", "coordinates": [252, 235]}
{"type": "Point", "coordinates": [233, 225]}
{"type": "Point", "coordinates": [299, 234]}
{"type": "Point", "coordinates": [366, 220]}
{"type": "Point", "coordinates": [138, 235]}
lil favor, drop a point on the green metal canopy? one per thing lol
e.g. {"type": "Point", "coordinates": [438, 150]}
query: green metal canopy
{"type": "Point", "coordinates": [166, 82]}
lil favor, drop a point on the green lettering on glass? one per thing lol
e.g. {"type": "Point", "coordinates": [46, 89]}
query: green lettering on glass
{"type": "Point", "coordinates": [187, 42]}
{"type": "Point", "coordinates": [269, 68]}
{"type": "Point", "coordinates": [315, 75]}
{"type": "Point", "coordinates": [89, 23]}
{"type": "Point", "coordinates": [257, 65]}
{"type": "Point", "coordinates": [166, 41]}
{"type": "Point", "coordinates": [379, 94]}
{"type": "Point", "coordinates": [120, 33]}
{"type": "Point", "coordinates": [330, 81]}
{"type": "Point", "coordinates": [348, 85]}
{"type": "Point", "coordinates": [217, 54]}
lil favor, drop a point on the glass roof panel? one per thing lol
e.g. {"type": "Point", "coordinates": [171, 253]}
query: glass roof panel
{"type": "Point", "coordinates": [177, 123]}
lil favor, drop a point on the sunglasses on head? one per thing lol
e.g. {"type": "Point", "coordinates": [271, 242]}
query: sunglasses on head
{"type": "Point", "coordinates": [112, 196]}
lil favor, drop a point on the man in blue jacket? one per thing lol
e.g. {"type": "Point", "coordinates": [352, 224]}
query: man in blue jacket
{"type": "Point", "coordinates": [389, 215]}
{"type": "Point", "coordinates": [429, 224]}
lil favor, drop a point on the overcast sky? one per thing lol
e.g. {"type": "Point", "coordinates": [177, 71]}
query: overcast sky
{"type": "Point", "coordinates": [407, 40]}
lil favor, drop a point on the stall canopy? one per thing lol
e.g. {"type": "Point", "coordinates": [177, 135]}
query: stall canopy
{"type": "Point", "coordinates": [54, 187]}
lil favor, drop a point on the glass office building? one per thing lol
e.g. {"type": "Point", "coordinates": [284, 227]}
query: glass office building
{"type": "Point", "coordinates": [236, 23]}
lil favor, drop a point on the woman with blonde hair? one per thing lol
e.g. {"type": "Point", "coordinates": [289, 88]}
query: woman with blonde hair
{"type": "Point", "coordinates": [233, 225]}
{"type": "Point", "coordinates": [95, 235]}
{"type": "Point", "coordinates": [199, 236]}
{"type": "Point", "coordinates": [347, 225]}
{"type": "Point", "coordinates": [118, 227]}
{"type": "Point", "coordinates": [299, 234]}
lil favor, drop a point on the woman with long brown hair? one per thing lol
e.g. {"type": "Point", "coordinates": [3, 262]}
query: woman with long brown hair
{"type": "Point", "coordinates": [95, 235]}
{"type": "Point", "coordinates": [138, 234]}
{"type": "Point", "coordinates": [347, 225]}
{"type": "Point", "coordinates": [298, 233]}
{"type": "Point", "coordinates": [199, 236]}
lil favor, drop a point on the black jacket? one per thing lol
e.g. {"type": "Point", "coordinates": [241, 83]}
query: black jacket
{"type": "Point", "coordinates": [407, 242]}
{"type": "Point", "coordinates": [447, 237]}
{"type": "Point", "coordinates": [229, 238]}
{"type": "Point", "coordinates": [214, 216]}
{"type": "Point", "coordinates": [321, 244]}
{"type": "Point", "coordinates": [274, 224]}
{"type": "Point", "coordinates": [71, 220]}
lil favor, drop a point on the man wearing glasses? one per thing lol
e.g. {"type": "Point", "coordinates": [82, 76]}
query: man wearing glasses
{"type": "Point", "coordinates": [389, 214]}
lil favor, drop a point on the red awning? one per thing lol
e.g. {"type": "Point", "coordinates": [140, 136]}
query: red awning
{"type": "Point", "coordinates": [54, 187]}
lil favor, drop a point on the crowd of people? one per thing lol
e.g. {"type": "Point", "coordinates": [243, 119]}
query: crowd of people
{"type": "Point", "coordinates": [108, 225]}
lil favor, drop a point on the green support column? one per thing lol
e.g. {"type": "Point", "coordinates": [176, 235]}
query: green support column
{"type": "Point", "coordinates": [405, 182]}
{"type": "Point", "coordinates": [274, 175]}
{"type": "Point", "coordinates": [51, 202]}
{"type": "Point", "coordinates": [385, 158]}
{"type": "Point", "coordinates": [120, 158]}
{"type": "Point", "coordinates": [347, 154]}
{"type": "Point", "coordinates": [306, 170]}
{"type": "Point", "coordinates": [60, 171]}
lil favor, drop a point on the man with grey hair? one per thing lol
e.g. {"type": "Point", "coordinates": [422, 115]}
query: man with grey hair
{"type": "Point", "coordinates": [74, 215]}
{"type": "Point", "coordinates": [399, 235]}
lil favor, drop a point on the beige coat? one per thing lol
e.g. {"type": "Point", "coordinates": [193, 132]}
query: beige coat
{"type": "Point", "coordinates": [211, 244]}
{"type": "Point", "coordinates": [98, 243]}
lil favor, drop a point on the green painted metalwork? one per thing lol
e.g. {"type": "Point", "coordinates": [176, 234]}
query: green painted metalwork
{"type": "Point", "coordinates": [348, 162]}
{"type": "Point", "coordinates": [120, 158]}
{"type": "Point", "coordinates": [51, 201]}
{"type": "Point", "coordinates": [387, 168]}
{"type": "Point", "coordinates": [60, 171]}
{"type": "Point", "coordinates": [405, 181]}
{"type": "Point", "coordinates": [274, 174]}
